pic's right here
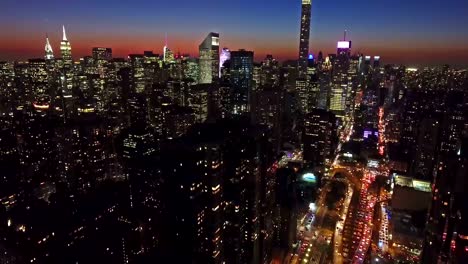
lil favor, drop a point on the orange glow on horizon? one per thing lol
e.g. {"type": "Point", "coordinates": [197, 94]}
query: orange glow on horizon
{"type": "Point", "coordinates": [281, 49]}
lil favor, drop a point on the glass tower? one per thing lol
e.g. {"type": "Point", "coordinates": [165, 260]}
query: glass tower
{"type": "Point", "coordinates": [209, 58]}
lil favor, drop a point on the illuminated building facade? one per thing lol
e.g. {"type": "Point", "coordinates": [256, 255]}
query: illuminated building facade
{"type": "Point", "coordinates": [446, 238]}
{"type": "Point", "coordinates": [168, 55]}
{"type": "Point", "coordinates": [49, 53]}
{"type": "Point", "coordinates": [102, 54]}
{"type": "Point", "coordinates": [137, 81]}
{"type": "Point", "coordinates": [191, 70]}
{"type": "Point", "coordinates": [269, 73]}
{"type": "Point", "coordinates": [308, 89]}
{"type": "Point", "coordinates": [66, 51]}
{"type": "Point", "coordinates": [39, 73]}
{"type": "Point", "coordinates": [340, 80]}
{"type": "Point", "coordinates": [209, 59]}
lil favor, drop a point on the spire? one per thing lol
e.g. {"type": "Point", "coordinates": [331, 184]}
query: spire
{"type": "Point", "coordinates": [64, 34]}
{"type": "Point", "coordinates": [48, 47]}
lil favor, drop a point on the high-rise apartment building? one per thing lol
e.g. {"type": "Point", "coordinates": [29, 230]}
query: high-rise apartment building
{"type": "Point", "coordinates": [216, 171]}
{"type": "Point", "coordinates": [446, 232]}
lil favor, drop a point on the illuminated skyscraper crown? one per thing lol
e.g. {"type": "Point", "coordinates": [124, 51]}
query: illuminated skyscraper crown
{"type": "Point", "coordinates": [49, 53]}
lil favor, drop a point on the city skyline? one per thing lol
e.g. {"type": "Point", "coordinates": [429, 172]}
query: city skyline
{"type": "Point", "coordinates": [424, 40]}
{"type": "Point", "coordinates": [151, 132]}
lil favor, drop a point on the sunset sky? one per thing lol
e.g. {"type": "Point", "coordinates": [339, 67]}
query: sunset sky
{"type": "Point", "coordinates": [401, 31]}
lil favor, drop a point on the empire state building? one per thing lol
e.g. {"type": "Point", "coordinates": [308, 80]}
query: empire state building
{"type": "Point", "coordinates": [65, 50]}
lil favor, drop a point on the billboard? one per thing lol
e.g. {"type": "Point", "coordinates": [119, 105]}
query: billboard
{"type": "Point", "coordinates": [344, 44]}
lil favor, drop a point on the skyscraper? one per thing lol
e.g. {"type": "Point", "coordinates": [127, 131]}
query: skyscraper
{"type": "Point", "coordinates": [340, 78]}
{"type": "Point", "coordinates": [216, 171]}
{"type": "Point", "coordinates": [65, 50]}
{"type": "Point", "coordinates": [304, 37]}
{"type": "Point", "coordinates": [102, 54]}
{"type": "Point", "coordinates": [241, 79]}
{"type": "Point", "coordinates": [319, 137]}
{"type": "Point", "coordinates": [209, 58]}
{"type": "Point", "coordinates": [49, 53]}
{"type": "Point", "coordinates": [168, 54]}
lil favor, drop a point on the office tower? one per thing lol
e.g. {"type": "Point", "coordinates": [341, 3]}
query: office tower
{"type": "Point", "coordinates": [304, 37]}
{"type": "Point", "coordinates": [39, 76]}
{"type": "Point", "coordinates": [168, 55]}
{"type": "Point", "coordinates": [198, 101]}
{"type": "Point", "coordinates": [256, 76]}
{"type": "Point", "coordinates": [241, 80]}
{"type": "Point", "coordinates": [102, 54]}
{"type": "Point", "coordinates": [324, 76]}
{"type": "Point", "coordinates": [353, 82]}
{"type": "Point", "coordinates": [340, 78]}
{"type": "Point", "coordinates": [101, 57]}
{"type": "Point", "coordinates": [209, 59]}
{"type": "Point", "coordinates": [137, 80]}
{"type": "Point", "coordinates": [65, 50]}
{"type": "Point", "coordinates": [365, 65]}
{"type": "Point", "coordinates": [302, 95]}
{"type": "Point", "coordinates": [269, 73]}
{"type": "Point", "coordinates": [308, 89]}
{"type": "Point", "coordinates": [376, 62]}
{"type": "Point", "coordinates": [319, 137]}
{"type": "Point", "coordinates": [191, 70]}
{"type": "Point", "coordinates": [49, 53]}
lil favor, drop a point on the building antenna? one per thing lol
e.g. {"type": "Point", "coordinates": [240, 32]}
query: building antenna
{"type": "Point", "coordinates": [344, 39]}
{"type": "Point", "coordinates": [165, 39]}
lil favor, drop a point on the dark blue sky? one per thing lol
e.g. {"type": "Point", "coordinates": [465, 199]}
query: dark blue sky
{"type": "Point", "coordinates": [408, 31]}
